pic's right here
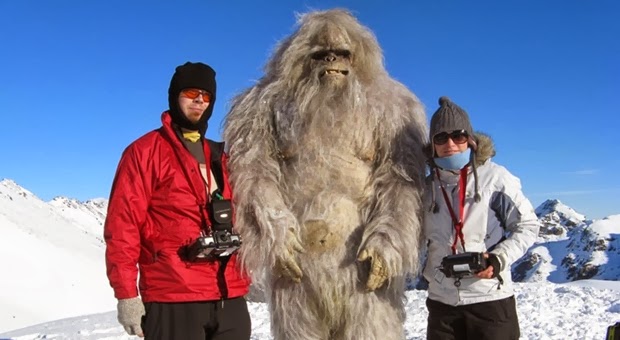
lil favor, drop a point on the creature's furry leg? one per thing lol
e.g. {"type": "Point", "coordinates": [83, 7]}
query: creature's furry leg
{"type": "Point", "coordinates": [294, 315]}
{"type": "Point", "coordinates": [375, 316]}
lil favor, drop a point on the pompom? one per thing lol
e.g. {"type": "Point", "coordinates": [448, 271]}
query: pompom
{"type": "Point", "coordinates": [443, 100]}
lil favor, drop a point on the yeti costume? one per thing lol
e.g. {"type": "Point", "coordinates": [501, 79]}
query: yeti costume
{"type": "Point", "coordinates": [327, 165]}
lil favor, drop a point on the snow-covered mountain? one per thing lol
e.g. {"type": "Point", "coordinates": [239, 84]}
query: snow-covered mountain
{"type": "Point", "coordinates": [92, 210]}
{"type": "Point", "coordinates": [570, 247]}
{"type": "Point", "coordinates": [53, 269]}
{"type": "Point", "coordinates": [52, 258]}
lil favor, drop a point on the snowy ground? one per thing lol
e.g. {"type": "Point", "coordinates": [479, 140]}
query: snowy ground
{"type": "Point", "coordinates": [53, 269]}
{"type": "Point", "coordinates": [579, 310]}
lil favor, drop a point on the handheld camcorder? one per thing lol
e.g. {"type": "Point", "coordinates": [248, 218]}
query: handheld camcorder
{"type": "Point", "coordinates": [463, 265]}
{"type": "Point", "coordinates": [222, 242]}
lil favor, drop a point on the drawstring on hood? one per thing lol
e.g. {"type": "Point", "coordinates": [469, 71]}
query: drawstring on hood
{"type": "Point", "coordinates": [474, 169]}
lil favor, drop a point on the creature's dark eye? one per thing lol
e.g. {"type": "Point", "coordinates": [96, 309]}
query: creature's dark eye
{"type": "Point", "coordinates": [334, 54]}
{"type": "Point", "coordinates": [320, 55]}
{"type": "Point", "coordinates": [343, 53]}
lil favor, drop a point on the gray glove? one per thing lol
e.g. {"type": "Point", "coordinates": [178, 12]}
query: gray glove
{"type": "Point", "coordinates": [130, 312]}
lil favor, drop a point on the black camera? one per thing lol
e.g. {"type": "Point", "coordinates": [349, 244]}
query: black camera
{"type": "Point", "coordinates": [222, 242]}
{"type": "Point", "coordinates": [463, 265]}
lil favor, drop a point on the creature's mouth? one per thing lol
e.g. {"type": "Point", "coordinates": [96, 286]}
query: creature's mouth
{"type": "Point", "coordinates": [333, 71]}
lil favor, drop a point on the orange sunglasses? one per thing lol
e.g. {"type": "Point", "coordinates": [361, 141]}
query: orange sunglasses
{"type": "Point", "coordinates": [194, 93]}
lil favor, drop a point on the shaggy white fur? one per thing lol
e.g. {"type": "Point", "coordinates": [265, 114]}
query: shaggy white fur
{"type": "Point", "coordinates": [327, 150]}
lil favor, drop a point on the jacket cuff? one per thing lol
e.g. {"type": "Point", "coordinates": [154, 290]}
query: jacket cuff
{"type": "Point", "coordinates": [124, 293]}
{"type": "Point", "coordinates": [502, 260]}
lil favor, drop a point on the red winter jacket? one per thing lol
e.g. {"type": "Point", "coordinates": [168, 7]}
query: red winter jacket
{"type": "Point", "coordinates": [157, 205]}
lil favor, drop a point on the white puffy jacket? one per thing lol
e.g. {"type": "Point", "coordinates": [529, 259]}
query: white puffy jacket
{"type": "Point", "coordinates": [503, 222]}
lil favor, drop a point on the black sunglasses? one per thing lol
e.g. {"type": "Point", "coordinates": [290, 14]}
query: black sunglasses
{"type": "Point", "coordinates": [457, 136]}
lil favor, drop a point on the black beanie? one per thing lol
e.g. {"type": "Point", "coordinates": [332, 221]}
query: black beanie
{"type": "Point", "coordinates": [191, 75]}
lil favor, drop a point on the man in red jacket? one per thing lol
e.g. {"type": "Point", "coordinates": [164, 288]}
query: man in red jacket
{"type": "Point", "coordinates": [169, 221]}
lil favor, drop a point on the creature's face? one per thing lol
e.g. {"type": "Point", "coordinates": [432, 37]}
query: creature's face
{"type": "Point", "coordinates": [332, 67]}
{"type": "Point", "coordinates": [325, 66]}
{"type": "Point", "coordinates": [330, 54]}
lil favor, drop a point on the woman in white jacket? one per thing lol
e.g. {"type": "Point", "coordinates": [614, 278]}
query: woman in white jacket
{"type": "Point", "coordinates": [473, 206]}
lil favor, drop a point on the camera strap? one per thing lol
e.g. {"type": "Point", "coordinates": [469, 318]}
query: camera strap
{"type": "Point", "coordinates": [456, 222]}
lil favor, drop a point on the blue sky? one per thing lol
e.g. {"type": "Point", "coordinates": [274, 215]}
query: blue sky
{"type": "Point", "coordinates": [80, 80]}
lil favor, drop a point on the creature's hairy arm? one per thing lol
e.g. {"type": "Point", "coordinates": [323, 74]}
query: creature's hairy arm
{"type": "Point", "coordinates": [394, 215]}
{"type": "Point", "coordinates": [267, 226]}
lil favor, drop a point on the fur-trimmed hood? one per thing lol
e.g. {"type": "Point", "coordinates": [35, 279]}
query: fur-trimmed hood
{"type": "Point", "coordinates": [486, 148]}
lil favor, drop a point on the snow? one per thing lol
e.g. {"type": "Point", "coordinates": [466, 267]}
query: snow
{"type": "Point", "coordinates": [545, 266]}
{"type": "Point", "coordinates": [607, 226]}
{"type": "Point", "coordinates": [580, 310]}
{"type": "Point", "coordinates": [54, 285]}
{"type": "Point", "coordinates": [560, 210]}
{"type": "Point", "coordinates": [52, 267]}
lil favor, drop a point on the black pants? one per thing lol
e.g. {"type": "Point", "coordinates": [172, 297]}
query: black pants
{"type": "Point", "coordinates": [213, 320]}
{"type": "Point", "coordinates": [479, 321]}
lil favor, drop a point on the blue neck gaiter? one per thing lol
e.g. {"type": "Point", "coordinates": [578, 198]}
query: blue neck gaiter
{"type": "Point", "coordinates": [455, 162]}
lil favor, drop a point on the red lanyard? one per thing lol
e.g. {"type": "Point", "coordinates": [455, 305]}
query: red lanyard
{"type": "Point", "coordinates": [458, 223]}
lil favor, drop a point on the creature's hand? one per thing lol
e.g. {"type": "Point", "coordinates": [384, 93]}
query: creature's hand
{"type": "Point", "coordinates": [286, 265]}
{"type": "Point", "coordinates": [378, 268]}
{"type": "Point", "coordinates": [130, 312]}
